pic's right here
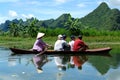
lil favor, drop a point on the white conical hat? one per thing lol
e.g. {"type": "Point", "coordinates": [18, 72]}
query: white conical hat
{"type": "Point", "coordinates": [39, 70]}
{"type": "Point", "coordinates": [39, 35]}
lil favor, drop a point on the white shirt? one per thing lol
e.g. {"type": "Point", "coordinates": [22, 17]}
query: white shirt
{"type": "Point", "coordinates": [58, 45]}
{"type": "Point", "coordinates": [71, 43]}
{"type": "Point", "coordinates": [58, 61]}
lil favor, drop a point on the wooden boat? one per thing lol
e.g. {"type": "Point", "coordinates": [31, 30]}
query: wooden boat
{"type": "Point", "coordinates": [98, 51]}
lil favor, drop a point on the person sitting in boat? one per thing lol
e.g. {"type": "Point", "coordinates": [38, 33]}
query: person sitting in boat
{"type": "Point", "coordinates": [79, 44]}
{"type": "Point", "coordinates": [39, 44]}
{"type": "Point", "coordinates": [65, 45]}
{"type": "Point", "coordinates": [58, 47]}
{"type": "Point", "coordinates": [71, 43]}
{"type": "Point", "coordinates": [58, 43]}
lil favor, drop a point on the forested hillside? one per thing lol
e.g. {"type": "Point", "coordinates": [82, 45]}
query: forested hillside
{"type": "Point", "coordinates": [102, 18]}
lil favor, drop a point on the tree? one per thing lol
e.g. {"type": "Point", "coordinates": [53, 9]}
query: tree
{"type": "Point", "coordinates": [32, 28]}
{"type": "Point", "coordinates": [14, 29]}
{"type": "Point", "coordinates": [74, 26]}
{"type": "Point", "coordinates": [22, 29]}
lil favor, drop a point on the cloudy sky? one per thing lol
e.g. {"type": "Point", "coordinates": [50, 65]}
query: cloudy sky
{"type": "Point", "coordinates": [47, 9]}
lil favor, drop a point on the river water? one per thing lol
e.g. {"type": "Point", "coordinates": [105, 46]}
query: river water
{"type": "Point", "coordinates": [24, 67]}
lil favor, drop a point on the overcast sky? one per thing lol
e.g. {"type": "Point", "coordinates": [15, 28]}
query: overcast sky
{"type": "Point", "coordinates": [47, 9]}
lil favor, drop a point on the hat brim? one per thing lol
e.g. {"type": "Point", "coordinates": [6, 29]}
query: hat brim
{"type": "Point", "coordinates": [39, 70]}
{"type": "Point", "coordinates": [40, 35]}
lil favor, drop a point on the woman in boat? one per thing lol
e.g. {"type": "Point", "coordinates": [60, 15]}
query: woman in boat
{"type": "Point", "coordinates": [39, 44]}
{"type": "Point", "coordinates": [79, 44]}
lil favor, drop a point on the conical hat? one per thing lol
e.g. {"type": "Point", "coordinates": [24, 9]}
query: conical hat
{"type": "Point", "coordinates": [39, 70]}
{"type": "Point", "coordinates": [39, 35]}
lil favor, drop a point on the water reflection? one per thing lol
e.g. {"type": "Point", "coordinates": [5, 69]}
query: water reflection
{"type": "Point", "coordinates": [59, 76]}
{"type": "Point", "coordinates": [63, 62]}
{"type": "Point", "coordinates": [103, 64]}
{"type": "Point", "coordinates": [39, 61]}
{"type": "Point", "coordinates": [101, 67]}
{"type": "Point", "coordinates": [79, 61]}
{"type": "Point", "coordinates": [13, 61]}
{"type": "Point", "coordinates": [60, 62]}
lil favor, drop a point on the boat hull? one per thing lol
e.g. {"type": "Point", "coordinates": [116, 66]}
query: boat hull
{"type": "Point", "coordinates": [98, 51]}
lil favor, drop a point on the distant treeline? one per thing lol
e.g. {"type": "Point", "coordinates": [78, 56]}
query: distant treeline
{"type": "Point", "coordinates": [57, 31]}
{"type": "Point", "coordinates": [71, 27]}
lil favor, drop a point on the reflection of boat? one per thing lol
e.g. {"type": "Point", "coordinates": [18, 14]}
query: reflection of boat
{"type": "Point", "coordinates": [98, 51]}
{"type": "Point", "coordinates": [39, 61]}
{"type": "Point", "coordinates": [78, 61]}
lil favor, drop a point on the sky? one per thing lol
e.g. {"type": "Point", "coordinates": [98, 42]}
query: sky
{"type": "Point", "coordinates": [49, 9]}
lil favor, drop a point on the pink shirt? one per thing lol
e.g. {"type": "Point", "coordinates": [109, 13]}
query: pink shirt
{"type": "Point", "coordinates": [39, 45]}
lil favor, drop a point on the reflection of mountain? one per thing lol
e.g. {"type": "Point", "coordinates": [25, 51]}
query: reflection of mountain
{"type": "Point", "coordinates": [100, 63]}
{"type": "Point", "coordinates": [115, 61]}
{"type": "Point", "coordinates": [103, 64]}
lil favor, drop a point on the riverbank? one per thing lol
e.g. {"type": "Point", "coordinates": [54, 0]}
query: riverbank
{"type": "Point", "coordinates": [92, 41]}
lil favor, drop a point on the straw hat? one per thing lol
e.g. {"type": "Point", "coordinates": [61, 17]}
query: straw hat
{"type": "Point", "coordinates": [39, 35]}
{"type": "Point", "coordinates": [39, 70]}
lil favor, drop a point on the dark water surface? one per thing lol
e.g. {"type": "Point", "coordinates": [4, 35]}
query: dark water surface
{"type": "Point", "coordinates": [22, 67]}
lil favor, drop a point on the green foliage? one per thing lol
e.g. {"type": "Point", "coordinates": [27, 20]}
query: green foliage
{"type": "Point", "coordinates": [60, 21]}
{"type": "Point", "coordinates": [53, 32]}
{"type": "Point", "coordinates": [94, 32]}
{"type": "Point", "coordinates": [32, 29]}
{"type": "Point", "coordinates": [73, 26]}
{"type": "Point", "coordinates": [14, 29]}
{"type": "Point", "coordinates": [92, 41]}
{"type": "Point", "coordinates": [103, 18]}
{"type": "Point", "coordinates": [102, 21]}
